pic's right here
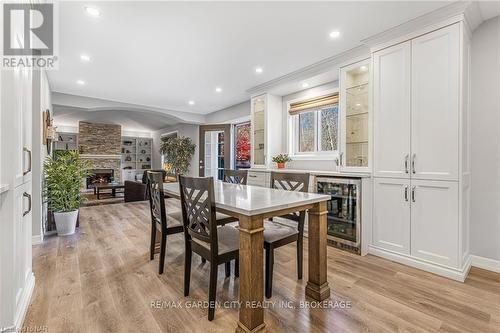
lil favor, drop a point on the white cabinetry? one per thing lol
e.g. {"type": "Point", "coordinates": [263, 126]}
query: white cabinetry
{"type": "Point", "coordinates": [266, 113]}
{"type": "Point", "coordinates": [420, 122]}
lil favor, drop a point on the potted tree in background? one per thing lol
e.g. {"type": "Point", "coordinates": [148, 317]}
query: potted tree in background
{"type": "Point", "coordinates": [64, 176]}
{"type": "Point", "coordinates": [178, 153]}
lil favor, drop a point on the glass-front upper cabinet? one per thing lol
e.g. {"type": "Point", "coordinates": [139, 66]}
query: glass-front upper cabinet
{"type": "Point", "coordinates": [258, 131]}
{"type": "Point", "coordinates": [354, 103]}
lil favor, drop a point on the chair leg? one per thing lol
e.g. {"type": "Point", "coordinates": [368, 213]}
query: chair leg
{"type": "Point", "coordinates": [187, 269]}
{"type": "Point", "coordinates": [300, 258]}
{"type": "Point", "coordinates": [227, 267]}
{"type": "Point", "coordinates": [153, 241]}
{"type": "Point", "coordinates": [237, 268]}
{"type": "Point", "coordinates": [212, 289]}
{"type": "Point", "coordinates": [269, 272]}
{"type": "Point", "coordinates": [163, 249]}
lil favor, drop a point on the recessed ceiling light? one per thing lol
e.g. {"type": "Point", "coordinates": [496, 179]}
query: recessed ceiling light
{"type": "Point", "coordinates": [191, 102]}
{"type": "Point", "coordinates": [85, 58]}
{"type": "Point", "coordinates": [258, 70]}
{"type": "Point", "coordinates": [334, 34]}
{"type": "Point", "coordinates": [364, 68]}
{"type": "Point", "coordinates": [305, 85]}
{"type": "Point", "coordinates": [80, 82]}
{"type": "Point", "coordinates": [358, 104]}
{"type": "Point", "coordinates": [218, 89]}
{"type": "Point", "coordinates": [92, 11]}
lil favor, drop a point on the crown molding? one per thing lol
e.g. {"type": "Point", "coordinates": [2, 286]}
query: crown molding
{"type": "Point", "coordinates": [312, 70]}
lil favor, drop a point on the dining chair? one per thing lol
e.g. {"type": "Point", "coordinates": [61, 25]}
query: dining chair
{"type": "Point", "coordinates": [277, 234]}
{"type": "Point", "coordinates": [235, 176]}
{"type": "Point", "coordinates": [218, 245]}
{"type": "Point", "coordinates": [166, 224]}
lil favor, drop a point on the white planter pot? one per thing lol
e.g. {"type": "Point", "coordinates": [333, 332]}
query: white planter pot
{"type": "Point", "coordinates": [66, 222]}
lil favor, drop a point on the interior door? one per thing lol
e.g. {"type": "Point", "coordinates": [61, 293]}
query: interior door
{"type": "Point", "coordinates": [391, 111]}
{"type": "Point", "coordinates": [435, 104]}
{"type": "Point", "coordinates": [391, 214]}
{"type": "Point", "coordinates": [215, 150]}
{"type": "Point", "coordinates": [434, 221]}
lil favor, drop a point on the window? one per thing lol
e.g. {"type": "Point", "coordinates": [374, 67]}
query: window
{"type": "Point", "coordinates": [314, 127]}
{"type": "Point", "coordinates": [242, 148]}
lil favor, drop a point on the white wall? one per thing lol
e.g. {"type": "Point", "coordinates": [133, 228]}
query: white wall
{"type": "Point", "coordinates": [188, 130]}
{"type": "Point", "coordinates": [231, 115]}
{"type": "Point", "coordinates": [485, 127]}
{"type": "Point", "coordinates": [320, 165]}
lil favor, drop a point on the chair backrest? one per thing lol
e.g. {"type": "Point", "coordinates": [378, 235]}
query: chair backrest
{"type": "Point", "coordinates": [235, 176]}
{"type": "Point", "coordinates": [145, 175]}
{"type": "Point", "coordinates": [291, 181]}
{"type": "Point", "coordinates": [157, 199]}
{"type": "Point", "coordinates": [198, 209]}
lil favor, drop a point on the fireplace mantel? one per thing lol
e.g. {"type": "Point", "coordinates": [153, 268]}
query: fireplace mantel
{"type": "Point", "coordinates": [99, 156]}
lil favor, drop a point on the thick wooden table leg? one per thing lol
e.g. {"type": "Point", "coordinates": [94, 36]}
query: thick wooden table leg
{"type": "Point", "coordinates": [317, 285]}
{"type": "Point", "coordinates": [251, 316]}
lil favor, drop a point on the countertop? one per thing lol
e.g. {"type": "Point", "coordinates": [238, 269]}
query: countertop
{"type": "Point", "coordinates": [317, 172]}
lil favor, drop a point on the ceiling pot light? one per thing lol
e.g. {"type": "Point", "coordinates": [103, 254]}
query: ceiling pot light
{"type": "Point", "coordinates": [80, 82]}
{"type": "Point", "coordinates": [258, 70]}
{"type": "Point", "coordinates": [85, 58]}
{"type": "Point", "coordinates": [92, 11]}
{"type": "Point", "coordinates": [191, 103]}
{"type": "Point", "coordinates": [305, 85]}
{"type": "Point", "coordinates": [218, 89]}
{"type": "Point", "coordinates": [334, 34]}
{"type": "Point", "coordinates": [363, 68]}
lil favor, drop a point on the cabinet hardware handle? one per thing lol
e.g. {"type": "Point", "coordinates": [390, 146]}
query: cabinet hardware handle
{"type": "Point", "coordinates": [252, 176]}
{"type": "Point", "coordinates": [413, 193]}
{"type": "Point", "coordinates": [407, 171]}
{"type": "Point", "coordinates": [29, 159]}
{"type": "Point", "coordinates": [342, 159]}
{"type": "Point", "coordinates": [406, 193]}
{"type": "Point", "coordinates": [414, 157]}
{"type": "Point", "coordinates": [26, 195]}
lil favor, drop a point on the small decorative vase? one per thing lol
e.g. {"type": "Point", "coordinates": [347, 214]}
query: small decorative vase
{"type": "Point", "coordinates": [281, 165]}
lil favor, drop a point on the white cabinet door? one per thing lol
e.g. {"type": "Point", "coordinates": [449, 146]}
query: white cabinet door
{"type": "Point", "coordinates": [434, 221]}
{"type": "Point", "coordinates": [435, 104]}
{"type": "Point", "coordinates": [27, 115]}
{"type": "Point", "coordinates": [391, 111]}
{"type": "Point", "coordinates": [391, 214]}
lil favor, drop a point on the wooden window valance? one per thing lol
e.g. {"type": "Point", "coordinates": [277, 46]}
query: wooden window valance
{"type": "Point", "coordinates": [313, 104]}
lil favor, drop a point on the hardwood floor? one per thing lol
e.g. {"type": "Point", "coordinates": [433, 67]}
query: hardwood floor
{"type": "Point", "coordinates": [101, 280]}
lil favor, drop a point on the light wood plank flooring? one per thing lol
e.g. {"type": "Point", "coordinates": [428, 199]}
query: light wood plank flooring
{"type": "Point", "coordinates": [101, 280]}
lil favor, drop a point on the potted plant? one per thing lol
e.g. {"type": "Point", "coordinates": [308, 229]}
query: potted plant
{"type": "Point", "coordinates": [64, 176]}
{"type": "Point", "coordinates": [178, 153]}
{"type": "Point", "coordinates": [281, 159]}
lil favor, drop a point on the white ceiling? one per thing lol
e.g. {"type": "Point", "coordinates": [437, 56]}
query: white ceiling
{"type": "Point", "coordinates": [162, 54]}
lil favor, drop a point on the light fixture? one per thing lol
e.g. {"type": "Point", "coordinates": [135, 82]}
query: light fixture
{"type": "Point", "coordinates": [191, 102]}
{"type": "Point", "coordinates": [85, 58]}
{"type": "Point", "coordinates": [334, 34]}
{"type": "Point", "coordinates": [363, 68]}
{"type": "Point", "coordinates": [218, 89]}
{"type": "Point", "coordinates": [258, 70]}
{"type": "Point", "coordinates": [358, 104]}
{"type": "Point", "coordinates": [305, 84]}
{"type": "Point", "coordinates": [92, 11]}
{"type": "Point", "coordinates": [80, 82]}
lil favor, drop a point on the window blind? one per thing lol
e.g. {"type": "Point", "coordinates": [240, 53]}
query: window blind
{"type": "Point", "coordinates": [313, 104]}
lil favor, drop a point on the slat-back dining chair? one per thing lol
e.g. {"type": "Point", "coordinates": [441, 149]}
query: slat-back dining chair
{"type": "Point", "coordinates": [218, 245]}
{"type": "Point", "coordinates": [277, 234]}
{"type": "Point", "coordinates": [166, 224]}
{"type": "Point", "coordinates": [236, 176]}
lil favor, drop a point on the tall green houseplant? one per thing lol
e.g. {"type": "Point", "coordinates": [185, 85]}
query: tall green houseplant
{"type": "Point", "coordinates": [178, 153]}
{"type": "Point", "coordinates": [64, 176]}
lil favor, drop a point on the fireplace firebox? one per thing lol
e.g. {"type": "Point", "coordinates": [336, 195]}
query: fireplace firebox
{"type": "Point", "coordinates": [100, 176]}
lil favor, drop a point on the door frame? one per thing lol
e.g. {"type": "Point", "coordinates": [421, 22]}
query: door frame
{"type": "Point", "coordinates": [226, 128]}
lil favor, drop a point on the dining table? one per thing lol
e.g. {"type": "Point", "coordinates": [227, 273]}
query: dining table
{"type": "Point", "coordinates": [251, 205]}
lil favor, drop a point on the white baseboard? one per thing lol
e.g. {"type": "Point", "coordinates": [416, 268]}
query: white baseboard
{"type": "Point", "coordinates": [451, 273]}
{"type": "Point", "coordinates": [24, 303]}
{"type": "Point", "coordinates": [486, 263]}
{"type": "Point", "coordinates": [35, 240]}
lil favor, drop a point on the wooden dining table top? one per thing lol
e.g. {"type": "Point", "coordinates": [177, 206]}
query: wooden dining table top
{"type": "Point", "coordinates": [251, 200]}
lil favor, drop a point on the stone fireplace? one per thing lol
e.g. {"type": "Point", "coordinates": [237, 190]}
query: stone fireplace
{"type": "Point", "coordinates": [101, 145]}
